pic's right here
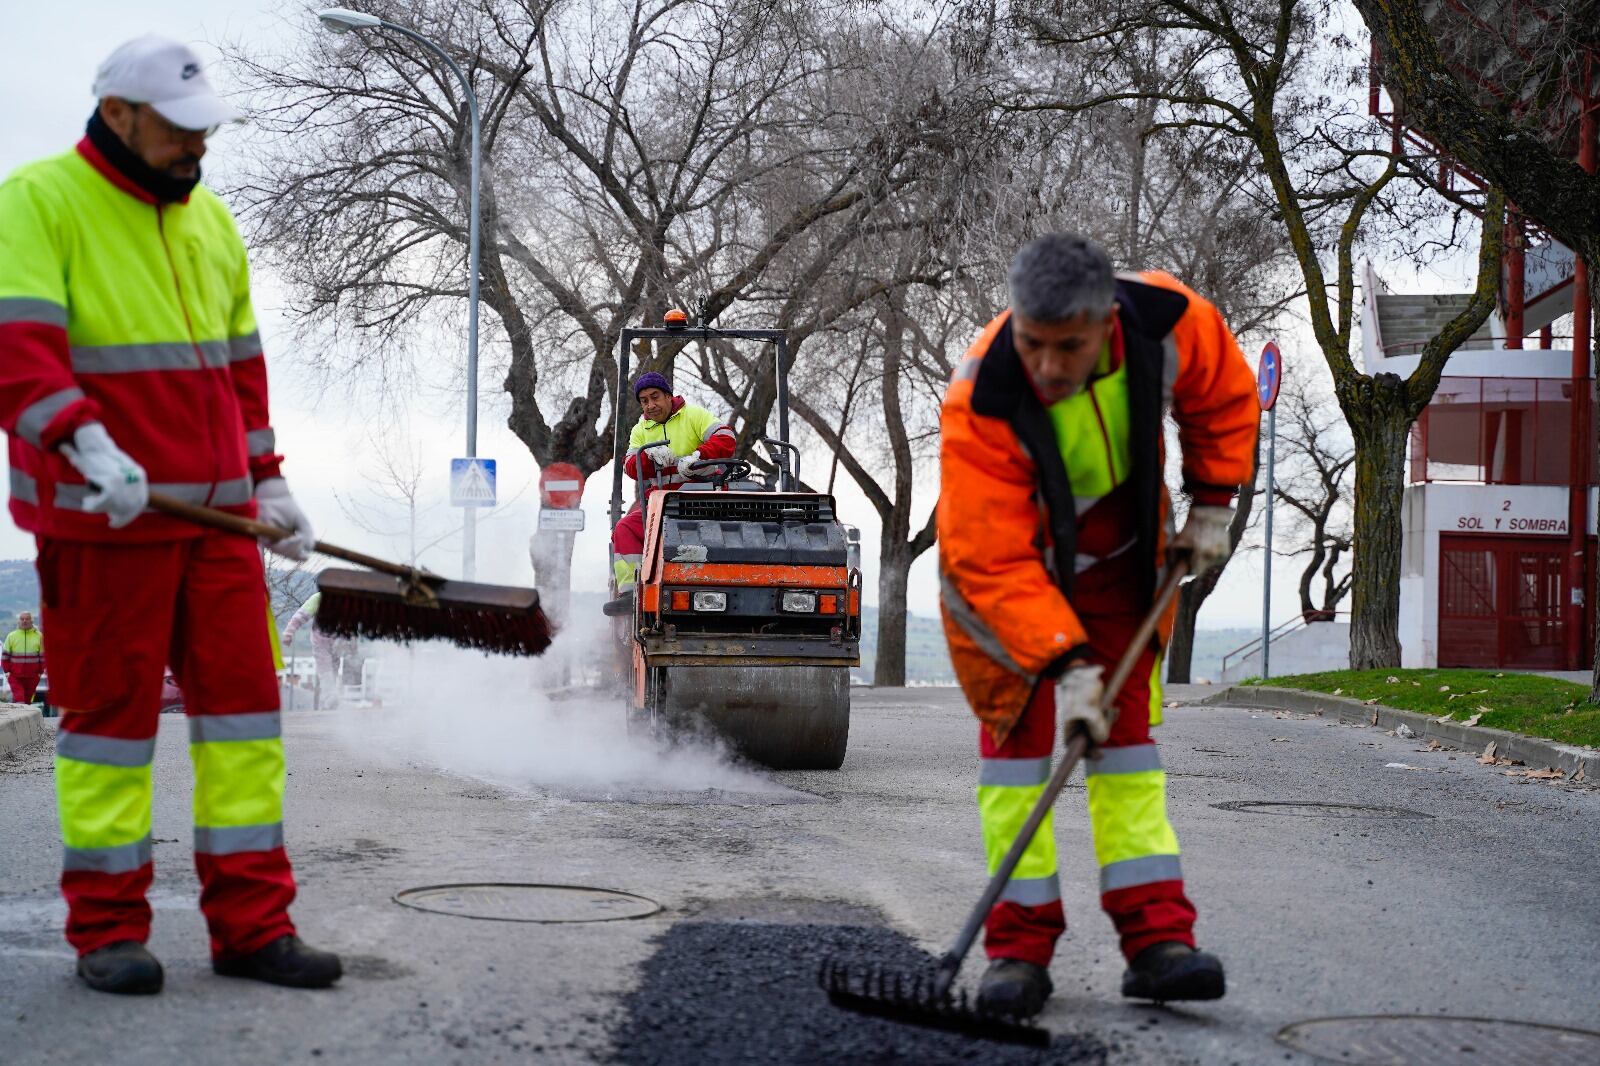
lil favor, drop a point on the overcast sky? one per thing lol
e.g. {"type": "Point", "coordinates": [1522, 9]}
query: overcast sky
{"type": "Point", "coordinates": [52, 53]}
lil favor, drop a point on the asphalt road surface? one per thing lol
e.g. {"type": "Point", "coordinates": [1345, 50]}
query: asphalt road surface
{"type": "Point", "coordinates": [1473, 894]}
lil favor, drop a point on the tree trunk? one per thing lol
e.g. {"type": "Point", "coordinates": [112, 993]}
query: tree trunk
{"type": "Point", "coordinates": [1180, 650]}
{"type": "Point", "coordinates": [1379, 429]}
{"type": "Point", "coordinates": [894, 568]}
{"type": "Point", "coordinates": [551, 555]}
{"type": "Point", "coordinates": [1192, 596]}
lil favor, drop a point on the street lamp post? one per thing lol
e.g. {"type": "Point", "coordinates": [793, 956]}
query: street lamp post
{"type": "Point", "coordinates": [343, 20]}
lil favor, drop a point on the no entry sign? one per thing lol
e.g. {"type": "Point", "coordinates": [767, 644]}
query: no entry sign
{"type": "Point", "coordinates": [1269, 375]}
{"type": "Point", "coordinates": [561, 486]}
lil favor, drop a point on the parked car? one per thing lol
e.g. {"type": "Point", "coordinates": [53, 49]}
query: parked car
{"type": "Point", "coordinates": [171, 696]}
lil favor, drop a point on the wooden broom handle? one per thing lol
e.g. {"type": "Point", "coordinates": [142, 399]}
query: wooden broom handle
{"type": "Point", "coordinates": [249, 527]}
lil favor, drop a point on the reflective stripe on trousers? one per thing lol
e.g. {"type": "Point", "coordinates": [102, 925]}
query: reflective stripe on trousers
{"type": "Point", "coordinates": [1007, 792]}
{"type": "Point", "coordinates": [238, 782]}
{"type": "Point", "coordinates": [103, 792]}
{"type": "Point", "coordinates": [1133, 840]}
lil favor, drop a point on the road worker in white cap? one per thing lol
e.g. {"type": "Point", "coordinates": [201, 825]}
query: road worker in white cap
{"type": "Point", "coordinates": [130, 362]}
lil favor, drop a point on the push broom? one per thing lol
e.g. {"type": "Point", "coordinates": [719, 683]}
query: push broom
{"type": "Point", "coordinates": [925, 999]}
{"type": "Point", "coordinates": [397, 602]}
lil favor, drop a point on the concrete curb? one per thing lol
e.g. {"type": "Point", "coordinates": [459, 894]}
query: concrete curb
{"type": "Point", "coordinates": [20, 725]}
{"type": "Point", "coordinates": [1535, 752]}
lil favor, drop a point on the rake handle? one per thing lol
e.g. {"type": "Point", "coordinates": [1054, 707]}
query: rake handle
{"type": "Point", "coordinates": [249, 527]}
{"type": "Point", "coordinates": [1077, 745]}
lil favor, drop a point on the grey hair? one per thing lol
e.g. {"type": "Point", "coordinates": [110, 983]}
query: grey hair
{"type": "Point", "coordinates": [1060, 275]}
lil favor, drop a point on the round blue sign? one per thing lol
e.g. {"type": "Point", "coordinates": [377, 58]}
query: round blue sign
{"type": "Point", "coordinates": [1269, 375]}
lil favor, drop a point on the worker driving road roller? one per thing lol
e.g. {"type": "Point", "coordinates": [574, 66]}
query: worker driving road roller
{"type": "Point", "coordinates": [670, 437]}
{"type": "Point", "coordinates": [1054, 524]}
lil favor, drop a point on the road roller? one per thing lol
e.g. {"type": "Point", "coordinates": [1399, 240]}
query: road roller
{"type": "Point", "coordinates": [745, 619]}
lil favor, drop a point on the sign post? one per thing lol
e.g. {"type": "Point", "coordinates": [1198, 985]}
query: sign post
{"type": "Point", "coordinates": [1269, 375]}
{"type": "Point", "coordinates": [550, 547]}
{"type": "Point", "coordinates": [472, 485]}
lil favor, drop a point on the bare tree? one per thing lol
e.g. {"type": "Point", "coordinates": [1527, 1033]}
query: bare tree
{"type": "Point", "coordinates": [638, 156]}
{"type": "Point", "coordinates": [1266, 73]}
{"type": "Point", "coordinates": [1313, 479]}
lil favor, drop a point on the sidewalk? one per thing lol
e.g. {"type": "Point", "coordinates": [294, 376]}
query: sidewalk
{"type": "Point", "coordinates": [1579, 764]}
{"type": "Point", "coordinates": [20, 726]}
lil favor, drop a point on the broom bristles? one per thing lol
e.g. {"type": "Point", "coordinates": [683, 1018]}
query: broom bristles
{"type": "Point", "coordinates": [493, 618]}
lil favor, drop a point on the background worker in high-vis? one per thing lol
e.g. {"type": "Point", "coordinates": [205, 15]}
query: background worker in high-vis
{"type": "Point", "coordinates": [669, 438]}
{"type": "Point", "coordinates": [22, 658]}
{"type": "Point", "coordinates": [130, 362]}
{"type": "Point", "coordinates": [1054, 524]}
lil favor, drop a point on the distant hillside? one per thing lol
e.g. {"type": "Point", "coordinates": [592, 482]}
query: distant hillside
{"type": "Point", "coordinates": [19, 591]}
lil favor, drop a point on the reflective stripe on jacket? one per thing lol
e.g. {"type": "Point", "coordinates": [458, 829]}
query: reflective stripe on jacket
{"type": "Point", "coordinates": [688, 429]}
{"type": "Point", "coordinates": [1008, 520]}
{"type": "Point", "coordinates": [23, 651]}
{"type": "Point", "coordinates": [118, 309]}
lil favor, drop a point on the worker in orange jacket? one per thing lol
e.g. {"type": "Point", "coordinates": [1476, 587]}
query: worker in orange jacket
{"type": "Point", "coordinates": [1054, 525]}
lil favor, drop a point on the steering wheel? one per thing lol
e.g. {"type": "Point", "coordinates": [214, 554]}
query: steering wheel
{"type": "Point", "coordinates": [722, 471]}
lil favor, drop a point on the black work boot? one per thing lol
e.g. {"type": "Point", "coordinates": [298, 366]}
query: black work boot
{"type": "Point", "coordinates": [1014, 987]}
{"type": "Point", "coordinates": [285, 961]}
{"type": "Point", "coordinates": [126, 968]}
{"type": "Point", "coordinates": [1171, 971]}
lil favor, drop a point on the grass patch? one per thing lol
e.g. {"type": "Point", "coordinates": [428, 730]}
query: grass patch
{"type": "Point", "coordinates": [1521, 703]}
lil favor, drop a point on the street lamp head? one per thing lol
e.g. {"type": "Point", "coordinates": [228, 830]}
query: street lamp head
{"type": "Point", "coordinates": [343, 20]}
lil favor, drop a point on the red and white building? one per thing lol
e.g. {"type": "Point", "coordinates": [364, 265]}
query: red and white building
{"type": "Point", "coordinates": [1499, 545]}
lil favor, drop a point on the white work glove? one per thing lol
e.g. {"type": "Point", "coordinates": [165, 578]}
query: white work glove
{"type": "Point", "coordinates": [1205, 537]}
{"type": "Point", "coordinates": [686, 462]}
{"type": "Point", "coordinates": [276, 507]}
{"type": "Point", "coordinates": [661, 456]}
{"type": "Point", "coordinates": [118, 485]}
{"type": "Point", "coordinates": [1078, 694]}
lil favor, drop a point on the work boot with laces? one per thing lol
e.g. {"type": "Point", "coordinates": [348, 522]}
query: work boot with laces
{"type": "Point", "coordinates": [126, 968]}
{"type": "Point", "coordinates": [1171, 971]}
{"type": "Point", "coordinates": [285, 961]}
{"type": "Point", "coordinates": [1014, 987]}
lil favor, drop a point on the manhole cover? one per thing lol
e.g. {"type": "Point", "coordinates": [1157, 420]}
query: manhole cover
{"type": "Point", "coordinates": [528, 903]}
{"type": "Point", "coordinates": [1401, 1040]}
{"type": "Point", "coordinates": [1312, 809]}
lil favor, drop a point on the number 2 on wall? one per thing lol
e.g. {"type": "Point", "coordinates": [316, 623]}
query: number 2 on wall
{"type": "Point", "coordinates": [1505, 505]}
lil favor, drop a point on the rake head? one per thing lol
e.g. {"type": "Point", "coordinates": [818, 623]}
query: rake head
{"type": "Point", "coordinates": [917, 999]}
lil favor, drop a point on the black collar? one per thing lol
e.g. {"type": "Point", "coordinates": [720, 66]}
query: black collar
{"type": "Point", "coordinates": [164, 188]}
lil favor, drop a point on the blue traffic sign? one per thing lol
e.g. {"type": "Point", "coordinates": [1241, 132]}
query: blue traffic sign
{"type": "Point", "coordinates": [472, 483]}
{"type": "Point", "coordinates": [1269, 375]}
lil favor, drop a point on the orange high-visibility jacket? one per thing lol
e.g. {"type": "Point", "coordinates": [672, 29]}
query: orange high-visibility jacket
{"type": "Point", "coordinates": [1007, 516]}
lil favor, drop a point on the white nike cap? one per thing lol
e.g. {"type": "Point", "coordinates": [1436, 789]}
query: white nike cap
{"type": "Point", "coordinates": [169, 77]}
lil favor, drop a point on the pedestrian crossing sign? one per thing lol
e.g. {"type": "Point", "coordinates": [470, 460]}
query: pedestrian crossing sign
{"type": "Point", "coordinates": [472, 483]}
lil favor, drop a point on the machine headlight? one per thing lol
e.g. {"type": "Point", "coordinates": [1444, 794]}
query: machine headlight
{"type": "Point", "coordinates": [800, 602]}
{"type": "Point", "coordinates": [711, 601]}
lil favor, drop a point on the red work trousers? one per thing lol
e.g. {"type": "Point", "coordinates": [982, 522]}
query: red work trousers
{"type": "Point", "coordinates": [1142, 893]}
{"type": "Point", "coordinates": [117, 614]}
{"type": "Point", "coordinates": [23, 685]}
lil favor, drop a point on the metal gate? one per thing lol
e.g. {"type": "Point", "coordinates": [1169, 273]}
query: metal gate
{"type": "Point", "coordinates": [1500, 602]}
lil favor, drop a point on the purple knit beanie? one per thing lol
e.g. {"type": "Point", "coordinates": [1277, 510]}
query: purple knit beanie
{"type": "Point", "coordinates": [652, 380]}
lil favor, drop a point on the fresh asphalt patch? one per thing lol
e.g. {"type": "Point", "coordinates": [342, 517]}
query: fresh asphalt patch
{"type": "Point", "coordinates": [742, 991]}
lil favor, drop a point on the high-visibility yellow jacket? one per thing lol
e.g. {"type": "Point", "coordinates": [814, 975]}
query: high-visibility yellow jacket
{"type": "Point", "coordinates": [119, 309]}
{"type": "Point", "coordinates": [23, 651]}
{"type": "Point", "coordinates": [687, 429]}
